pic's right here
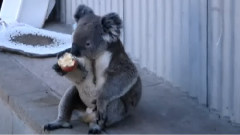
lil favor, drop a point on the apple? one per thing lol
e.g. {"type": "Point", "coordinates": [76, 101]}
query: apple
{"type": "Point", "coordinates": [69, 68]}
{"type": "Point", "coordinates": [67, 62]}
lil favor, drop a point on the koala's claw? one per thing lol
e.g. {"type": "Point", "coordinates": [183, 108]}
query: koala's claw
{"type": "Point", "coordinates": [53, 126]}
{"type": "Point", "coordinates": [58, 69]}
{"type": "Point", "coordinates": [95, 131]}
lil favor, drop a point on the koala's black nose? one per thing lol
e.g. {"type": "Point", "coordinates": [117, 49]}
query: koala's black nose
{"type": "Point", "coordinates": [75, 50]}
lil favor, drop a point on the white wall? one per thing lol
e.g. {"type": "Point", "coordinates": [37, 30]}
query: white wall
{"type": "Point", "coordinates": [224, 58]}
{"type": "Point", "coordinates": [101, 7]}
{"type": "Point", "coordinates": [192, 43]}
{"type": "Point", "coordinates": [168, 37]}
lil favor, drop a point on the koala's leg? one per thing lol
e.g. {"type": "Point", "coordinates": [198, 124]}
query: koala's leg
{"type": "Point", "coordinates": [116, 111]}
{"type": "Point", "coordinates": [68, 103]}
{"type": "Point", "coordinates": [119, 108]}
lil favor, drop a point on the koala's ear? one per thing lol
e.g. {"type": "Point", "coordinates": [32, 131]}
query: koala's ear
{"type": "Point", "coordinates": [112, 25]}
{"type": "Point", "coordinates": [81, 11]}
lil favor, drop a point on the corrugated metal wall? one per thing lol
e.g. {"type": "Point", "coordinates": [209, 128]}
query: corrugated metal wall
{"type": "Point", "coordinates": [170, 38]}
{"type": "Point", "coordinates": [101, 7]}
{"type": "Point", "coordinates": [224, 58]}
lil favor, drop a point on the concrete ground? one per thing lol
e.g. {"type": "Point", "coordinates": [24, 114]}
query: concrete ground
{"type": "Point", "coordinates": [30, 87]}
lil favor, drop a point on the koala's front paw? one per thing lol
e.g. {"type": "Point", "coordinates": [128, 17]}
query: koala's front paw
{"type": "Point", "coordinates": [58, 69]}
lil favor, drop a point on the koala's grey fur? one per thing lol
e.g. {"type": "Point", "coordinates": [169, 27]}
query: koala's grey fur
{"type": "Point", "coordinates": [106, 80]}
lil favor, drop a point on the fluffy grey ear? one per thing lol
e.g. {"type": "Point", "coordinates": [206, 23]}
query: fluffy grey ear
{"type": "Point", "coordinates": [112, 25]}
{"type": "Point", "coordinates": [81, 11]}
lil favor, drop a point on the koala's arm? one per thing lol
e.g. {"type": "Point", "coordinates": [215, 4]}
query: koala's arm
{"type": "Point", "coordinates": [58, 69]}
{"type": "Point", "coordinates": [60, 72]}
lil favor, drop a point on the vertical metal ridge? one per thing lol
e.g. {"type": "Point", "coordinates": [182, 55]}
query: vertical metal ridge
{"type": "Point", "coordinates": [207, 55]}
{"type": "Point", "coordinates": [236, 104]}
{"type": "Point", "coordinates": [155, 16]}
{"type": "Point", "coordinates": [232, 57]}
{"type": "Point", "coordinates": [160, 38]}
{"type": "Point", "coordinates": [168, 32]}
{"type": "Point", "coordinates": [150, 27]}
{"type": "Point", "coordinates": [226, 84]}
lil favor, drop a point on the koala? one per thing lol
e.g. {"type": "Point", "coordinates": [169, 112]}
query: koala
{"type": "Point", "coordinates": [106, 80]}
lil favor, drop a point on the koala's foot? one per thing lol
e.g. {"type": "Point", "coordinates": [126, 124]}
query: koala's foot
{"type": "Point", "coordinates": [95, 129]}
{"type": "Point", "coordinates": [57, 125]}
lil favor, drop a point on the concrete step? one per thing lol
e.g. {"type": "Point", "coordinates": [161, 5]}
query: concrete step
{"type": "Point", "coordinates": [27, 102]}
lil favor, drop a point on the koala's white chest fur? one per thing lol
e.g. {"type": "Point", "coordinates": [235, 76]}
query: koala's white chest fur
{"type": "Point", "coordinates": [88, 89]}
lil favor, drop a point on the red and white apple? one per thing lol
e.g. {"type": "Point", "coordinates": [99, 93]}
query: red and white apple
{"type": "Point", "coordinates": [67, 62]}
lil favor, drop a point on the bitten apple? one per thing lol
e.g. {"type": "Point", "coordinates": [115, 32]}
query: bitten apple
{"type": "Point", "coordinates": [67, 62]}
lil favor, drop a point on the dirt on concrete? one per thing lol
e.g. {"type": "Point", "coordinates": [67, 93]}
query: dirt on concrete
{"type": "Point", "coordinates": [32, 39]}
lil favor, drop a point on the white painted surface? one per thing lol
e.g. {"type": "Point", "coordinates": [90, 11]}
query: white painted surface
{"type": "Point", "coordinates": [9, 10]}
{"type": "Point", "coordinates": [32, 12]}
{"type": "Point", "coordinates": [170, 38]}
{"type": "Point", "coordinates": [51, 5]}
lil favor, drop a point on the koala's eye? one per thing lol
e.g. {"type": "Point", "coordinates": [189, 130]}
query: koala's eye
{"type": "Point", "coordinates": [88, 44]}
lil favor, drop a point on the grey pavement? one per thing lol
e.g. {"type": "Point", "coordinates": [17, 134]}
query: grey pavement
{"type": "Point", "coordinates": [32, 89]}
